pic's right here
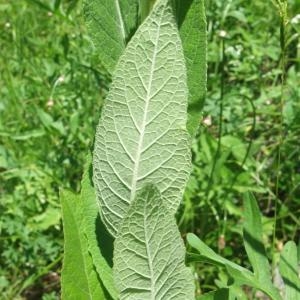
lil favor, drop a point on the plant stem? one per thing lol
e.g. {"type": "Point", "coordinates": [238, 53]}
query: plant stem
{"type": "Point", "coordinates": [282, 7]}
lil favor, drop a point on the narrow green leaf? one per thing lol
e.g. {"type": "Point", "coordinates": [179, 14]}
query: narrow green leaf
{"type": "Point", "coordinates": [288, 267]}
{"type": "Point", "coordinates": [111, 23]}
{"type": "Point", "coordinates": [79, 279]}
{"type": "Point", "coordinates": [141, 137]}
{"type": "Point", "coordinates": [100, 243]}
{"type": "Point", "coordinates": [192, 23]}
{"type": "Point", "coordinates": [149, 252]}
{"type": "Point", "coordinates": [239, 274]}
{"type": "Point", "coordinates": [253, 239]}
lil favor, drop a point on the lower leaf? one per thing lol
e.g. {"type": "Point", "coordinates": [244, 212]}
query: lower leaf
{"type": "Point", "coordinates": [149, 252]}
{"type": "Point", "coordinates": [79, 278]}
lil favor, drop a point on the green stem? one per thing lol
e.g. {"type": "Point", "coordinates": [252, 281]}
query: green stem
{"type": "Point", "coordinates": [283, 15]}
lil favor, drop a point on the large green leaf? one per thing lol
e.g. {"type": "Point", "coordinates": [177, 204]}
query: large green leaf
{"type": "Point", "coordinates": [100, 243]}
{"type": "Point", "coordinates": [79, 278]}
{"type": "Point", "coordinates": [149, 252]}
{"type": "Point", "coordinates": [111, 23]}
{"type": "Point", "coordinates": [141, 137]}
{"type": "Point", "coordinates": [288, 266]}
{"type": "Point", "coordinates": [192, 24]}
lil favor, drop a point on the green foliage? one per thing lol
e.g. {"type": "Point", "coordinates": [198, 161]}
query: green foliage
{"type": "Point", "coordinates": [79, 278]}
{"type": "Point", "coordinates": [261, 276]}
{"type": "Point", "coordinates": [192, 26]}
{"type": "Point", "coordinates": [288, 266]}
{"type": "Point", "coordinates": [111, 24]}
{"type": "Point", "coordinates": [48, 81]}
{"type": "Point", "coordinates": [149, 252]}
{"type": "Point", "coordinates": [52, 86]}
{"type": "Point", "coordinates": [99, 242]}
{"type": "Point", "coordinates": [141, 135]}
{"type": "Point", "coordinates": [253, 241]}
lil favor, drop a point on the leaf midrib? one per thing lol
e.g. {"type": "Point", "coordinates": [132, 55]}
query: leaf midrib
{"type": "Point", "coordinates": [152, 287]}
{"type": "Point", "coordinates": [142, 131]}
{"type": "Point", "coordinates": [121, 21]}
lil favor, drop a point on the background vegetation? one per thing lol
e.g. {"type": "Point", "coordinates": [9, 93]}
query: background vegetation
{"type": "Point", "coordinates": [52, 87]}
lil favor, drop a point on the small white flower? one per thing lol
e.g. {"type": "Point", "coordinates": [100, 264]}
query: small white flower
{"type": "Point", "coordinates": [50, 14]}
{"type": "Point", "coordinates": [50, 103]}
{"type": "Point", "coordinates": [7, 25]}
{"type": "Point", "coordinates": [296, 19]}
{"type": "Point", "coordinates": [61, 79]}
{"type": "Point", "coordinates": [222, 33]}
{"type": "Point", "coordinates": [207, 121]}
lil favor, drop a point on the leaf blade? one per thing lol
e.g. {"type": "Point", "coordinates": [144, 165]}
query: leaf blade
{"type": "Point", "coordinates": [192, 27]}
{"type": "Point", "coordinates": [238, 273]}
{"type": "Point", "coordinates": [149, 252]}
{"type": "Point", "coordinates": [288, 269]}
{"type": "Point", "coordinates": [253, 239]}
{"type": "Point", "coordinates": [141, 135]}
{"type": "Point", "coordinates": [99, 243]}
{"type": "Point", "coordinates": [79, 279]}
{"type": "Point", "coordinates": [110, 24]}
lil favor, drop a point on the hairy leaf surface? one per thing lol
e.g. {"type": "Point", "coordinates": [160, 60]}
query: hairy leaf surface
{"type": "Point", "coordinates": [141, 137]}
{"type": "Point", "coordinates": [79, 278]}
{"type": "Point", "coordinates": [111, 23]}
{"type": "Point", "coordinates": [149, 252]}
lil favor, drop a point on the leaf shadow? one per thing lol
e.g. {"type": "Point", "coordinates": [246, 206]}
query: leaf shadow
{"type": "Point", "coordinates": [182, 8]}
{"type": "Point", "coordinates": [286, 280]}
{"type": "Point", "coordinates": [255, 244]}
{"type": "Point", "coordinates": [105, 241]}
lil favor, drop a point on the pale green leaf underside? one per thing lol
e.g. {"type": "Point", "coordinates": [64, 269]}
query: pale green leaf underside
{"type": "Point", "coordinates": [149, 253]}
{"type": "Point", "coordinates": [79, 279]}
{"type": "Point", "coordinates": [110, 24]}
{"type": "Point", "coordinates": [141, 137]}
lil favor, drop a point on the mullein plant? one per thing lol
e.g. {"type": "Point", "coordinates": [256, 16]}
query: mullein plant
{"type": "Point", "coordinates": [121, 237]}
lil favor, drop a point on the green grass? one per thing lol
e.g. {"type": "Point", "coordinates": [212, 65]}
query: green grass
{"type": "Point", "coordinates": [52, 88]}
